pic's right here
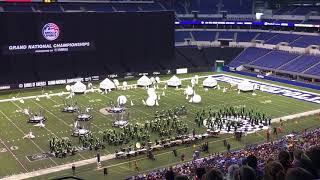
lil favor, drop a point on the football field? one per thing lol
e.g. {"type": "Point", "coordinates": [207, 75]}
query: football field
{"type": "Point", "coordinates": [14, 149]}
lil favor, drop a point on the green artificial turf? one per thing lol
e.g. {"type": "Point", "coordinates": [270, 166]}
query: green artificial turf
{"type": "Point", "coordinates": [14, 125]}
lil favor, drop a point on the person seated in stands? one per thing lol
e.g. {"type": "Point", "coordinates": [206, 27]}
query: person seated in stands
{"type": "Point", "coordinates": [274, 171]}
{"type": "Point", "coordinates": [181, 177]}
{"type": "Point", "coordinates": [252, 161]}
{"type": "Point", "coordinates": [298, 174]}
{"type": "Point", "coordinates": [170, 174]}
{"type": "Point", "coordinates": [199, 173]}
{"type": "Point", "coordinates": [285, 160]}
{"type": "Point", "coordinates": [303, 161]}
{"type": "Point", "coordinates": [213, 174]}
{"type": "Point", "coordinates": [231, 171]}
{"type": "Point", "coordinates": [245, 173]}
{"type": "Point", "coordinates": [314, 155]}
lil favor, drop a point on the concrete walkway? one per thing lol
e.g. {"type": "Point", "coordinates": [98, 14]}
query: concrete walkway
{"type": "Point", "coordinates": [295, 116]}
{"type": "Point", "coordinates": [58, 168]}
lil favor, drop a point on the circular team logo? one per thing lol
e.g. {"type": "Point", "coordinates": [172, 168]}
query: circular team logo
{"type": "Point", "coordinates": [50, 31]}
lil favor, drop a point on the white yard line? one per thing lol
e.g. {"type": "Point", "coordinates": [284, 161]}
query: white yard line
{"type": "Point", "coordinates": [48, 129]}
{"type": "Point", "coordinates": [10, 120]}
{"type": "Point", "coordinates": [14, 156]}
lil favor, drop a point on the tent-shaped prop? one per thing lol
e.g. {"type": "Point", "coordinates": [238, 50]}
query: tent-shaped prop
{"type": "Point", "coordinates": [174, 81]}
{"type": "Point", "coordinates": [78, 87]}
{"type": "Point", "coordinates": [209, 82]}
{"type": "Point", "coordinates": [144, 81]}
{"type": "Point", "coordinates": [246, 86]}
{"type": "Point", "coordinates": [107, 84]}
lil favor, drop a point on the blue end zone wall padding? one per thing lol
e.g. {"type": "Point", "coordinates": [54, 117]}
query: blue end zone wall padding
{"type": "Point", "coordinates": [285, 81]}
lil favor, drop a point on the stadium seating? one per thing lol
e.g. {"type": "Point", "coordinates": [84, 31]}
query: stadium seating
{"type": "Point", "coordinates": [293, 40]}
{"type": "Point", "coordinates": [204, 35]}
{"type": "Point", "coordinates": [248, 55]}
{"type": "Point", "coordinates": [300, 64]}
{"type": "Point", "coordinates": [180, 36]}
{"type": "Point", "coordinates": [180, 7]}
{"type": "Point", "coordinates": [282, 38]}
{"type": "Point", "coordinates": [151, 7]}
{"type": "Point", "coordinates": [278, 60]}
{"type": "Point", "coordinates": [297, 10]}
{"type": "Point", "coordinates": [99, 8]}
{"type": "Point", "coordinates": [314, 70]}
{"type": "Point", "coordinates": [265, 36]}
{"type": "Point", "coordinates": [245, 36]}
{"type": "Point", "coordinates": [226, 35]}
{"type": "Point", "coordinates": [237, 7]}
{"type": "Point", "coordinates": [305, 41]}
{"type": "Point", "coordinates": [126, 7]}
{"type": "Point", "coordinates": [274, 59]}
{"type": "Point", "coordinates": [17, 8]}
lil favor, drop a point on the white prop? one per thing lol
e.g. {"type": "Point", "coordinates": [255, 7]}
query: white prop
{"type": "Point", "coordinates": [122, 100]}
{"type": "Point", "coordinates": [193, 81]}
{"type": "Point", "coordinates": [107, 84]}
{"type": "Point", "coordinates": [246, 86]}
{"type": "Point", "coordinates": [29, 136]}
{"type": "Point", "coordinates": [188, 91]}
{"type": "Point", "coordinates": [124, 84]}
{"type": "Point", "coordinates": [78, 87]}
{"type": "Point", "coordinates": [116, 82]}
{"type": "Point", "coordinates": [209, 82]}
{"type": "Point", "coordinates": [174, 81]}
{"type": "Point", "coordinates": [153, 80]}
{"type": "Point", "coordinates": [150, 102]}
{"type": "Point", "coordinates": [26, 111]}
{"type": "Point", "coordinates": [144, 81]}
{"type": "Point", "coordinates": [196, 98]}
{"type": "Point", "coordinates": [89, 85]}
{"type": "Point", "coordinates": [197, 79]}
{"type": "Point", "coordinates": [224, 90]}
{"type": "Point", "coordinates": [40, 125]}
{"type": "Point", "coordinates": [157, 79]}
{"type": "Point", "coordinates": [68, 87]}
{"type": "Point", "coordinates": [131, 103]}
